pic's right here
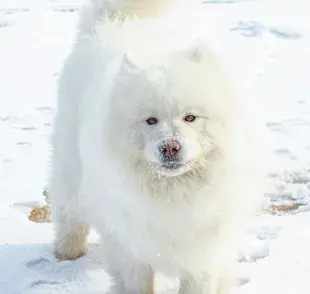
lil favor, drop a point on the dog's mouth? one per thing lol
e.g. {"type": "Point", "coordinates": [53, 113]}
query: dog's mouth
{"type": "Point", "coordinates": [173, 165]}
{"type": "Point", "coordinates": [174, 168]}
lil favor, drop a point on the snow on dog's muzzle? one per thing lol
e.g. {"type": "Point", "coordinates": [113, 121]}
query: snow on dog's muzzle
{"type": "Point", "coordinates": [170, 153]}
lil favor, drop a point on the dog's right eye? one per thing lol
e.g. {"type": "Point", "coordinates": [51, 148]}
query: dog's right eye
{"type": "Point", "coordinates": [152, 121]}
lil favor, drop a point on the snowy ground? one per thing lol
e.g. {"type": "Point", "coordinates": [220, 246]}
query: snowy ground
{"type": "Point", "coordinates": [268, 41]}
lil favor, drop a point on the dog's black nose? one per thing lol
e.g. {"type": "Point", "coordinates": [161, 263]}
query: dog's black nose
{"type": "Point", "coordinates": [170, 148]}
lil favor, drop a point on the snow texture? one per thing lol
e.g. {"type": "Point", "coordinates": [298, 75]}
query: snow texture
{"type": "Point", "coordinates": [266, 46]}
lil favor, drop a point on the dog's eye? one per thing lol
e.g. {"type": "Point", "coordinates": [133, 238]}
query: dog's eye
{"type": "Point", "coordinates": [189, 118]}
{"type": "Point", "coordinates": [152, 121]}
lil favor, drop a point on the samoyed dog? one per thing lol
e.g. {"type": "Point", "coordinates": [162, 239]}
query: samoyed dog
{"type": "Point", "coordinates": [154, 150]}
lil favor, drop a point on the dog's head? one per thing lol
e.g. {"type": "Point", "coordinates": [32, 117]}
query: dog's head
{"type": "Point", "coordinates": [170, 118]}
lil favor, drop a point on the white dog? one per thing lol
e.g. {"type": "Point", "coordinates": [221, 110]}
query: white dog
{"type": "Point", "coordinates": [152, 148]}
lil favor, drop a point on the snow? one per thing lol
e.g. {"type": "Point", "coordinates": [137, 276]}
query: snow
{"type": "Point", "coordinates": [267, 45]}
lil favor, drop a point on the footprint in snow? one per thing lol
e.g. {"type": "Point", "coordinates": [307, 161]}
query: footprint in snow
{"type": "Point", "coordinates": [6, 23]}
{"type": "Point", "coordinates": [285, 33]}
{"type": "Point", "coordinates": [65, 9]}
{"type": "Point", "coordinates": [44, 108]}
{"type": "Point", "coordinates": [28, 128]}
{"type": "Point", "coordinates": [249, 28]}
{"type": "Point", "coordinates": [256, 29]}
{"type": "Point", "coordinates": [42, 282]}
{"type": "Point", "coordinates": [27, 204]}
{"type": "Point", "coordinates": [37, 263]}
{"type": "Point", "coordinates": [23, 143]}
{"type": "Point", "coordinates": [11, 11]}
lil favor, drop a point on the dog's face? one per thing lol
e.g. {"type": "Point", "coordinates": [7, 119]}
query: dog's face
{"type": "Point", "coordinates": [170, 119]}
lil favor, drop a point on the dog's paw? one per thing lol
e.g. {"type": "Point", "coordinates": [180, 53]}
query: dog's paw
{"type": "Point", "coordinates": [68, 256]}
{"type": "Point", "coordinates": [70, 248]}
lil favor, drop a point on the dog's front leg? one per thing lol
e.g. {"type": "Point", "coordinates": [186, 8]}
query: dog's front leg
{"type": "Point", "coordinates": [133, 279]}
{"type": "Point", "coordinates": [193, 285]}
{"type": "Point", "coordinates": [216, 283]}
{"type": "Point", "coordinates": [221, 282]}
{"type": "Point", "coordinates": [130, 276]}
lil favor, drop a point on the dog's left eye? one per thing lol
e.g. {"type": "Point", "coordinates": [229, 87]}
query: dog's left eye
{"type": "Point", "coordinates": [190, 118]}
{"type": "Point", "coordinates": [152, 121]}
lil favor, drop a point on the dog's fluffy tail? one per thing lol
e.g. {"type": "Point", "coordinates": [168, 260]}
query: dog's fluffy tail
{"type": "Point", "coordinates": [99, 9]}
{"type": "Point", "coordinates": [123, 25]}
{"type": "Point", "coordinates": [140, 8]}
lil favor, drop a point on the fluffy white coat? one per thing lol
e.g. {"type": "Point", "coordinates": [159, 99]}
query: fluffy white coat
{"type": "Point", "coordinates": [107, 169]}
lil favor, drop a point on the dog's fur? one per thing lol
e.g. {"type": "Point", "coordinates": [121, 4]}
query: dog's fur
{"type": "Point", "coordinates": [107, 167]}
